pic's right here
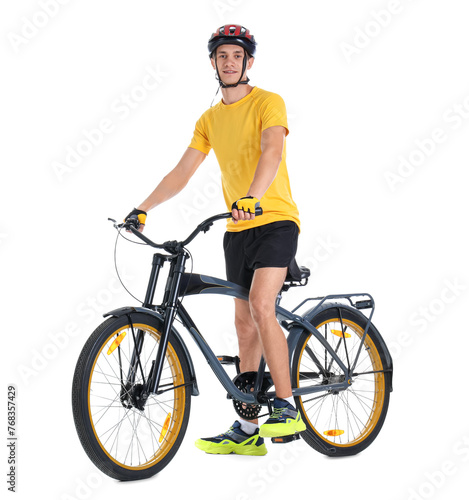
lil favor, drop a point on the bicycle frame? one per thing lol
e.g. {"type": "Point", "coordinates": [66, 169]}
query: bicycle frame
{"type": "Point", "coordinates": [179, 284]}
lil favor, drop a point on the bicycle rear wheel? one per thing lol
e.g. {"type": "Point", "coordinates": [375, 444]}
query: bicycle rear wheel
{"type": "Point", "coordinates": [123, 441]}
{"type": "Point", "coordinates": [341, 423]}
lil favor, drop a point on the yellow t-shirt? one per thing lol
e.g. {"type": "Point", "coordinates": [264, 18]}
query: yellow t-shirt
{"type": "Point", "coordinates": [234, 132]}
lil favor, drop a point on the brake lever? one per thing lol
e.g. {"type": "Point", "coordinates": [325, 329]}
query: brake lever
{"type": "Point", "coordinates": [114, 223]}
{"type": "Point", "coordinates": [119, 226]}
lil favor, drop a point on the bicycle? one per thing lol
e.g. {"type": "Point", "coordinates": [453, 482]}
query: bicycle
{"type": "Point", "coordinates": [134, 378]}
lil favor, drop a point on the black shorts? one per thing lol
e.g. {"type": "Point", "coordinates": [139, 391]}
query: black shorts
{"type": "Point", "coordinates": [271, 245]}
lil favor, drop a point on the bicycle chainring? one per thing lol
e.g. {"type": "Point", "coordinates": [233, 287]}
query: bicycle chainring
{"type": "Point", "coordinates": [245, 383]}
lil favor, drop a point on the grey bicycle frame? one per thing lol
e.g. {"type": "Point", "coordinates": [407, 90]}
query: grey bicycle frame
{"type": "Point", "coordinates": [179, 284]}
{"type": "Point", "coordinates": [193, 284]}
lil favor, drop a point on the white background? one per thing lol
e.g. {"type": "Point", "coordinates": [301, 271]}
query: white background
{"type": "Point", "coordinates": [361, 86]}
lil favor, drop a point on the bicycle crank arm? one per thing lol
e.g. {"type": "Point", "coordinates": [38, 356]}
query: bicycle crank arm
{"type": "Point", "coordinates": [303, 391]}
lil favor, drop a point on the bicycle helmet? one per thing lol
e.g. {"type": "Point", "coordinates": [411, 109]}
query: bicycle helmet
{"type": "Point", "coordinates": [233, 34]}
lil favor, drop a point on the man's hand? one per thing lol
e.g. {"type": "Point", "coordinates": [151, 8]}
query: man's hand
{"type": "Point", "coordinates": [137, 218]}
{"type": "Point", "coordinates": [244, 208]}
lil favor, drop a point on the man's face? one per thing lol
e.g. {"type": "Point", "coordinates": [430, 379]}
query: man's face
{"type": "Point", "coordinates": [229, 60]}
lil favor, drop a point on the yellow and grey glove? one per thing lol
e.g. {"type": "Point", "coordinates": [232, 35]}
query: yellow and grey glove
{"type": "Point", "coordinates": [136, 217]}
{"type": "Point", "coordinates": [248, 204]}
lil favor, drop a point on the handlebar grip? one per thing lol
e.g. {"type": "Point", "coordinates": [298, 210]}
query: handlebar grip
{"type": "Point", "coordinates": [258, 211]}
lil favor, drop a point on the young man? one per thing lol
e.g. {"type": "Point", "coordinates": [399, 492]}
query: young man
{"type": "Point", "coordinates": [247, 131]}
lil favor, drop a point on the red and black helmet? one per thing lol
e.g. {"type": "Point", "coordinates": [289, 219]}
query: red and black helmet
{"type": "Point", "coordinates": [232, 34]}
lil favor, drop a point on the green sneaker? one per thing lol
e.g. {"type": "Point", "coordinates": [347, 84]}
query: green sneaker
{"type": "Point", "coordinates": [285, 420]}
{"type": "Point", "coordinates": [233, 441]}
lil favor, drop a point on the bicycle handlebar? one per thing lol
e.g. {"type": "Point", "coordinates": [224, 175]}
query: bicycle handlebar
{"type": "Point", "coordinates": [174, 246]}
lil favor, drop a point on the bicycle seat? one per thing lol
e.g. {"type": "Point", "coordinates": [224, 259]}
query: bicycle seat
{"type": "Point", "coordinates": [297, 273]}
{"type": "Point", "coordinates": [305, 272]}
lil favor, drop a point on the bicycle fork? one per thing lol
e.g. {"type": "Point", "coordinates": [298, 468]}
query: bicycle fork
{"type": "Point", "coordinates": [170, 307]}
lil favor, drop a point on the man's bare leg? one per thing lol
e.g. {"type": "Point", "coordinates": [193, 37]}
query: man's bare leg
{"type": "Point", "coordinates": [259, 320]}
{"type": "Point", "coordinates": [250, 348]}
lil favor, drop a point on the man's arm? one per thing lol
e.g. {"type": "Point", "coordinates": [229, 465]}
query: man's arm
{"type": "Point", "coordinates": [272, 141]}
{"type": "Point", "coordinates": [176, 180]}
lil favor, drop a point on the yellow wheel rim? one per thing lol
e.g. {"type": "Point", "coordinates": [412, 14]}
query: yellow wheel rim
{"type": "Point", "coordinates": [334, 427]}
{"type": "Point", "coordinates": [116, 428]}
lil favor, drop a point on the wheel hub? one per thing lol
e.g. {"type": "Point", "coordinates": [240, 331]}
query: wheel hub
{"type": "Point", "coordinates": [333, 378]}
{"type": "Point", "coordinates": [134, 397]}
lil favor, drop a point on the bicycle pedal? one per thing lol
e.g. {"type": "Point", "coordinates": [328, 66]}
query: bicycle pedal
{"type": "Point", "coordinates": [286, 439]}
{"type": "Point", "coordinates": [228, 360]}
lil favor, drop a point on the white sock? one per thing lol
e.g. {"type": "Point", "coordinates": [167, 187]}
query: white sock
{"type": "Point", "coordinates": [248, 427]}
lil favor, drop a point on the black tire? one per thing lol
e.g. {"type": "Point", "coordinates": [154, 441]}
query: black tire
{"type": "Point", "coordinates": [346, 422]}
{"type": "Point", "coordinates": [122, 441]}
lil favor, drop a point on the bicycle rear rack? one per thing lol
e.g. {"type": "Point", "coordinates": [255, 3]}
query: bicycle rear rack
{"type": "Point", "coordinates": [358, 304]}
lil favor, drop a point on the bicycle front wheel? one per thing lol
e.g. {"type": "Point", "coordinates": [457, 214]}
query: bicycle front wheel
{"type": "Point", "coordinates": [341, 423]}
{"type": "Point", "coordinates": [126, 434]}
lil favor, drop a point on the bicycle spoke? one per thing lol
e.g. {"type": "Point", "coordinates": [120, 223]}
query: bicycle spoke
{"type": "Point", "coordinates": [113, 427]}
{"type": "Point", "coordinates": [342, 417]}
{"type": "Point", "coordinates": [131, 436]}
{"type": "Point", "coordinates": [312, 399]}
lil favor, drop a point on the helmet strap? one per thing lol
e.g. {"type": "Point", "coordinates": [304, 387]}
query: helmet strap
{"type": "Point", "coordinates": [244, 82]}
